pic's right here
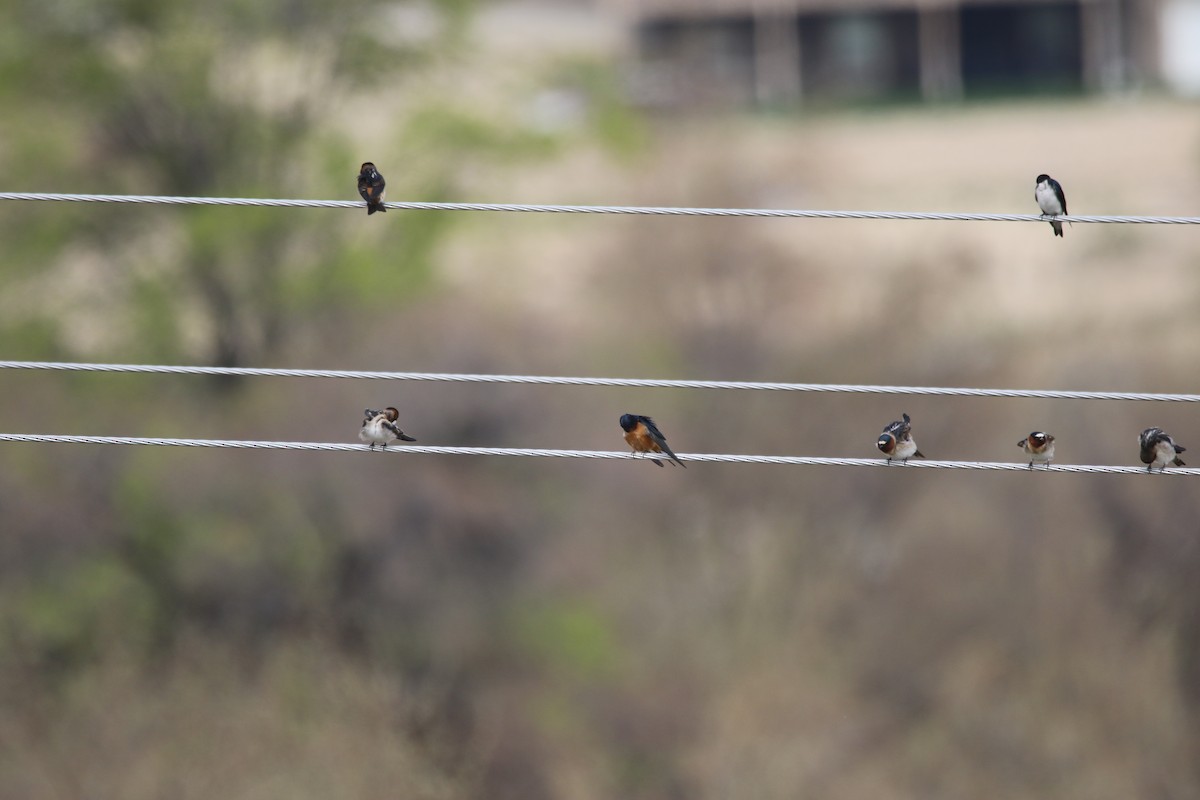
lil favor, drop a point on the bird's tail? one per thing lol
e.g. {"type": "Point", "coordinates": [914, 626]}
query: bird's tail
{"type": "Point", "coordinates": [373, 207]}
{"type": "Point", "coordinates": [1178, 462]}
{"type": "Point", "coordinates": [671, 453]}
{"type": "Point", "coordinates": [404, 437]}
{"type": "Point", "coordinates": [1057, 227]}
{"type": "Point", "coordinates": [918, 454]}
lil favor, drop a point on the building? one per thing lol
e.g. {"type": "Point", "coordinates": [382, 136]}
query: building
{"type": "Point", "coordinates": [782, 52]}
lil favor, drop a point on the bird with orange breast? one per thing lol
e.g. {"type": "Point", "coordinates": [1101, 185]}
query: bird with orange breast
{"type": "Point", "coordinates": [372, 187]}
{"type": "Point", "coordinates": [644, 437]}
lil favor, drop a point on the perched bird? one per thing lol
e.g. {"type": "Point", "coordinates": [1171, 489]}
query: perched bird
{"type": "Point", "coordinates": [644, 437]}
{"type": "Point", "coordinates": [1051, 200]}
{"type": "Point", "coordinates": [379, 427]}
{"type": "Point", "coordinates": [1159, 450]}
{"type": "Point", "coordinates": [1039, 446]}
{"type": "Point", "coordinates": [372, 187]}
{"type": "Point", "coordinates": [896, 441]}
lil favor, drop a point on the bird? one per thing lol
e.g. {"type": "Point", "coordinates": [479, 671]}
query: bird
{"type": "Point", "coordinates": [1159, 450]}
{"type": "Point", "coordinates": [644, 437]}
{"type": "Point", "coordinates": [372, 187]}
{"type": "Point", "coordinates": [896, 441]}
{"type": "Point", "coordinates": [379, 427]}
{"type": "Point", "coordinates": [1051, 200]}
{"type": "Point", "coordinates": [1039, 446]}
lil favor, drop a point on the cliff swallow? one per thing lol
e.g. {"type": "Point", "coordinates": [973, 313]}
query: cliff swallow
{"type": "Point", "coordinates": [1039, 446]}
{"type": "Point", "coordinates": [1051, 200]}
{"type": "Point", "coordinates": [372, 187]}
{"type": "Point", "coordinates": [1159, 450]}
{"type": "Point", "coordinates": [896, 441]}
{"type": "Point", "coordinates": [644, 437]}
{"type": "Point", "coordinates": [379, 427]}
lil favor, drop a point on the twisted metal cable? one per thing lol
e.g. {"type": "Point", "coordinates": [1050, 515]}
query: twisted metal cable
{"type": "Point", "coordinates": [730, 458]}
{"type": "Point", "coordinates": [569, 209]}
{"type": "Point", "coordinates": [639, 383]}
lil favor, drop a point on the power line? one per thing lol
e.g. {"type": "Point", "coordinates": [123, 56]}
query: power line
{"type": "Point", "coordinates": [566, 209]}
{"type": "Point", "coordinates": [637, 383]}
{"type": "Point", "coordinates": [731, 458]}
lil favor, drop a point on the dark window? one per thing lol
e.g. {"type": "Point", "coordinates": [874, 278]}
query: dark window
{"type": "Point", "coordinates": [1021, 48]}
{"type": "Point", "coordinates": [859, 55]}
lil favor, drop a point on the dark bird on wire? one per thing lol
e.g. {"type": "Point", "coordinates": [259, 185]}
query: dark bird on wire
{"type": "Point", "coordinates": [1051, 200]}
{"type": "Point", "coordinates": [644, 437]}
{"type": "Point", "coordinates": [1039, 446]}
{"type": "Point", "coordinates": [372, 187]}
{"type": "Point", "coordinates": [1159, 450]}
{"type": "Point", "coordinates": [379, 427]}
{"type": "Point", "coordinates": [896, 441]}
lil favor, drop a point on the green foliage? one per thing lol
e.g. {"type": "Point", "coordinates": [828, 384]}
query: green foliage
{"type": "Point", "coordinates": [609, 118]}
{"type": "Point", "coordinates": [68, 615]}
{"type": "Point", "coordinates": [571, 638]}
{"type": "Point", "coordinates": [232, 98]}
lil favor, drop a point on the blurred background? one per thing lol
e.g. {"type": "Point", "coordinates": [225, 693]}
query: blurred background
{"type": "Point", "coordinates": [203, 624]}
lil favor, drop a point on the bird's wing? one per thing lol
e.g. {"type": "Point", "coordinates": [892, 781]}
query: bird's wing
{"type": "Point", "coordinates": [1062, 198]}
{"type": "Point", "coordinates": [660, 440]}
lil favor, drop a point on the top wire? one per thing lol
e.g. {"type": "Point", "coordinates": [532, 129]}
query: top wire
{"type": "Point", "coordinates": [561, 209]}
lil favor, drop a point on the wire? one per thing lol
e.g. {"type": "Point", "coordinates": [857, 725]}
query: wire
{"type": "Point", "coordinates": [592, 454]}
{"type": "Point", "coordinates": [641, 383]}
{"type": "Point", "coordinates": [561, 209]}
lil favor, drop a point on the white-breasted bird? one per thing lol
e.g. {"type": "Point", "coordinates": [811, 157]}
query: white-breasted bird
{"type": "Point", "coordinates": [379, 427]}
{"type": "Point", "coordinates": [896, 441]}
{"type": "Point", "coordinates": [1159, 450]}
{"type": "Point", "coordinates": [1051, 200]}
{"type": "Point", "coordinates": [1039, 446]}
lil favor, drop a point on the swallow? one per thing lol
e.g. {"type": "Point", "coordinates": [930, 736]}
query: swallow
{"type": "Point", "coordinates": [372, 187]}
{"type": "Point", "coordinates": [1051, 200]}
{"type": "Point", "coordinates": [1159, 450]}
{"type": "Point", "coordinates": [1039, 446]}
{"type": "Point", "coordinates": [379, 427]}
{"type": "Point", "coordinates": [896, 441]}
{"type": "Point", "coordinates": [644, 437]}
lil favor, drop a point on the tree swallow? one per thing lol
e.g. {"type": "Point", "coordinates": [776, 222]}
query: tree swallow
{"type": "Point", "coordinates": [372, 187]}
{"type": "Point", "coordinates": [644, 437]}
{"type": "Point", "coordinates": [379, 427]}
{"type": "Point", "coordinates": [1159, 450]}
{"type": "Point", "coordinates": [1039, 446]}
{"type": "Point", "coordinates": [1051, 200]}
{"type": "Point", "coordinates": [896, 441]}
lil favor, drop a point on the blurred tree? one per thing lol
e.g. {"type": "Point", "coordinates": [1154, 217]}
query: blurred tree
{"type": "Point", "coordinates": [239, 97]}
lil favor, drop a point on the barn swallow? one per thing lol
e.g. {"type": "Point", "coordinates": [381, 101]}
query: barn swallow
{"type": "Point", "coordinates": [1039, 446]}
{"type": "Point", "coordinates": [644, 437]}
{"type": "Point", "coordinates": [896, 441]}
{"type": "Point", "coordinates": [379, 427]}
{"type": "Point", "coordinates": [1159, 450]}
{"type": "Point", "coordinates": [372, 187]}
{"type": "Point", "coordinates": [1051, 200]}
